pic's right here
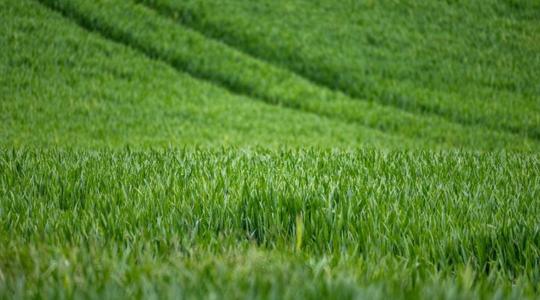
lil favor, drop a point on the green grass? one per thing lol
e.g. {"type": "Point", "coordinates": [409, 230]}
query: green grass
{"type": "Point", "coordinates": [63, 85]}
{"type": "Point", "coordinates": [269, 149]}
{"type": "Point", "coordinates": [188, 51]}
{"type": "Point", "coordinates": [473, 63]}
{"type": "Point", "coordinates": [194, 222]}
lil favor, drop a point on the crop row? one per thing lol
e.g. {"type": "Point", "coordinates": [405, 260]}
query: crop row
{"type": "Point", "coordinates": [469, 63]}
{"type": "Point", "coordinates": [162, 38]}
{"type": "Point", "coordinates": [64, 85]}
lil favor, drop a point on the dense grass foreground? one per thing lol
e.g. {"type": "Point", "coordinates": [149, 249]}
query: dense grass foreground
{"type": "Point", "coordinates": [268, 223]}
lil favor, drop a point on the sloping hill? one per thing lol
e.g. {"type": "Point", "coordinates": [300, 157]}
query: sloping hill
{"type": "Point", "coordinates": [474, 63]}
{"type": "Point", "coordinates": [168, 43]}
{"type": "Point", "coordinates": [63, 85]}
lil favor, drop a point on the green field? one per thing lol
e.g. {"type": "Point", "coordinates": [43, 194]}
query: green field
{"type": "Point", "coordinates": [269, 149]}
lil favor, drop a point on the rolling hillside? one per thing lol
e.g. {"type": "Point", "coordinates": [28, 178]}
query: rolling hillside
{"type": "Point", "coordinates": [130, 48]}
